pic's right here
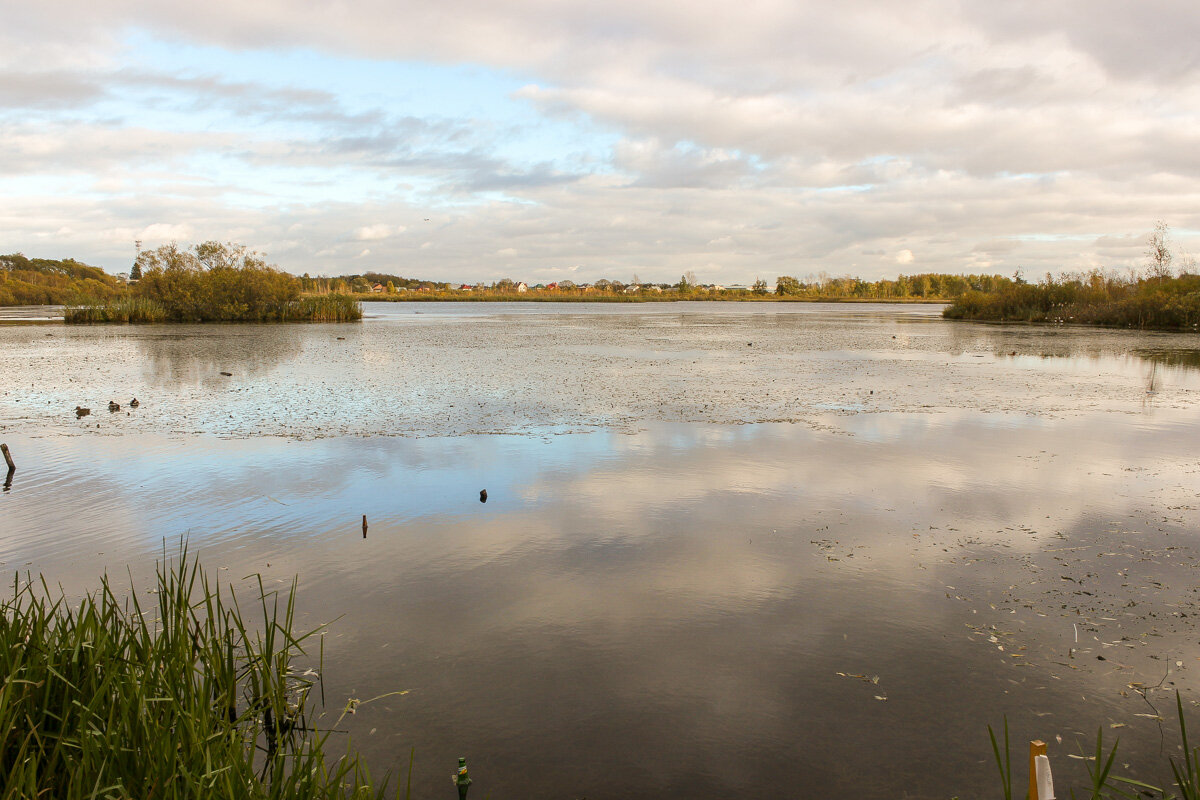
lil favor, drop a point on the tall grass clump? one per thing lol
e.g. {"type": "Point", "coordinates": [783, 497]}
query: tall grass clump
{"type": "Point", "coordinates": [122, 309]}
{"type": "Point", "coordinates": [326, 308]}
{"type": "Point", "coordinates": [184, 699]}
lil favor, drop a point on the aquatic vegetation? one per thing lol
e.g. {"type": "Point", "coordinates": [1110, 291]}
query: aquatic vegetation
{"type": "Point", "coordinates": [122, 309]}
{"type": "Point", "coordinates": [1003, 764]}
{"type": "Point", "coordinates": [324, 308]}
{"type": "Point", "coordinates": [185, 699]}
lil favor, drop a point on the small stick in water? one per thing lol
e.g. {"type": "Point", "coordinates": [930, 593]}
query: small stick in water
{"type": "Point", "coordinates": [364, 526]}
{"type": "Point", "coordinates": [7, 457]}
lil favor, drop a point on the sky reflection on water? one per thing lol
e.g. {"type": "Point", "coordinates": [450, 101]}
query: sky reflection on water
{"type": "Point", "coordinates": [667, 610]}
{"type": "Point", "coordinates": [660, 604]}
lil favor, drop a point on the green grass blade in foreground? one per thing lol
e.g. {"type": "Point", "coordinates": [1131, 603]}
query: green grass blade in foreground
{"type": "Point", "coordinates": [1186, 777]}
{"type": "Point", "coordinates": [184, 699]}
{"type": "Point", "coordinates": [1003, 764]}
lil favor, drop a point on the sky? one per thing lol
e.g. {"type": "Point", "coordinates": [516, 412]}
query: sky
{"type": "Point", "coordinates": [472, 140]}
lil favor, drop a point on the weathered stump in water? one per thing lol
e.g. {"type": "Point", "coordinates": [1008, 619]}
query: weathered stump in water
{"type": "Point", "coordinates": [7, 457]}
{"type": "Point", "coordinates": [364, 526]}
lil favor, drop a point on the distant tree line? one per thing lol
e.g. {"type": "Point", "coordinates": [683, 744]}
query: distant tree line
{"type": "Point", "coordinates": [43, 281]}
{"type": "Point", "coordinates": [931, 286]}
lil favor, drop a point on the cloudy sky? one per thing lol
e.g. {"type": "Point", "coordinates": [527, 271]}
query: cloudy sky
{"type": "Point", "coordinates": [540, 140]}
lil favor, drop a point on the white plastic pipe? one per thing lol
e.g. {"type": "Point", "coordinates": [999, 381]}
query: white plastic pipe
{"type": "Point", "coordinates": [1045, 781]}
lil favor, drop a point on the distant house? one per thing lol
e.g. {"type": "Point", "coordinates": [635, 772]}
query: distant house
{"type": "Point", "coordinates": [466, 287]}
{"type": "Point", "coordinates": [377, 287]}
{"type": "Point", "coordinates": [633, 289]}
{"type": "Point", "coordinates": [522, 287]}
{"type": "Point", "coordinates": [552, 285]}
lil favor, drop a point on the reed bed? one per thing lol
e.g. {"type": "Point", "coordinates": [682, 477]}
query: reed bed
{"type": "Point", "coordinates": [183, 699]}
{"type": "Point", "coordinates": [122, 309]}
{"type": "Point", "coordinates": [325, 308]}
{"type": "Point", "coordinates": [320, 308]}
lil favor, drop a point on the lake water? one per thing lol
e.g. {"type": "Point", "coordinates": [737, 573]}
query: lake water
{"type": "Point", "coordinates": [728, 549]}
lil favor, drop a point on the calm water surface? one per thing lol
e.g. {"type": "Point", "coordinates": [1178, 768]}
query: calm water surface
{"type": "Point", "coordinates": [728, 550]}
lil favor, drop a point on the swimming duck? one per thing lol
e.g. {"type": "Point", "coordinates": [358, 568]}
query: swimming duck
{"type": "Point", "coordinates": [113, 406]}
{"type": "Point", "coordinates": [134, 403]}
{"type": "Point", "coordinates": [80, 411]}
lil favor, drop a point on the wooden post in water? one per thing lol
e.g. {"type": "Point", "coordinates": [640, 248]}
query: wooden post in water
{"type": "Point", "coordinates": [1036, 748]}
{"type": "Point", "coordinates": [364, 526]}
{"type": "Point", "coordinates": [11, 467]}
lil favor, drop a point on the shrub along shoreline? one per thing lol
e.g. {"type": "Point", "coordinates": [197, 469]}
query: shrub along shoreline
{"type": "Point", "coordinates": [1157, 302]}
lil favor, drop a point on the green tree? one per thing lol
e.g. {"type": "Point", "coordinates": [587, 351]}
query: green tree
{"type": "Point", "coordinates": [786, 285]}
{"type": "Point", "coordinates": [760, 286]}
{"type": "Point", "coordinates": [215, 281]}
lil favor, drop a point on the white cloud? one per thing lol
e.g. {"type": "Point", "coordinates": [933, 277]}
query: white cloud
{"type": "Point", "coordinates": [370, 233]}
{"type": "Point", "coordinates": [162, 232]}
{"type": "Point", "coordinates": [761, 138]}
